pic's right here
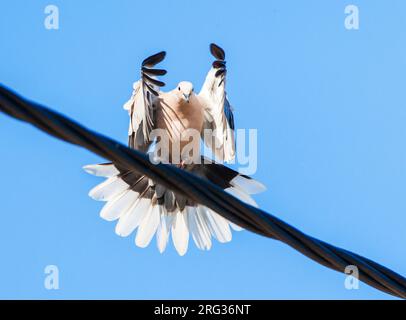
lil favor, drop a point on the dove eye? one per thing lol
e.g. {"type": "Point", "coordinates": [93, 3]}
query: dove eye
{"type": "Point", "coordinates": [179, 88]}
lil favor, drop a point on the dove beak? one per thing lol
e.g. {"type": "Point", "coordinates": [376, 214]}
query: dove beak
{"type": "Point", "coordinates": [187, 97]}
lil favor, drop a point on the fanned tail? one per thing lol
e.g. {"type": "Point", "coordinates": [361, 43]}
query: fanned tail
{"type": "Point", "coordinates": [138, 203]}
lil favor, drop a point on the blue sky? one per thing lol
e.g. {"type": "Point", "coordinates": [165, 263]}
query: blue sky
{"type": "Point", "coordinates": [328, 103]}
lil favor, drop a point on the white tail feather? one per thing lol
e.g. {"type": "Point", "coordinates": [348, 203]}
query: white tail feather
{"type": "Point", "coordinates": [132, 218]}
{"type": "Point", "coordinates": [247, 185]}
{"type": "Point", "coordinates": [180, 232]}
{"type": "Point", "coordinates": [108, 189]}
{"type": "Point", "coordinates": [217, 225]}
{"type": "Point", "coordinates": [114, 208]}
{"type": "Point", "coordinates": [101, 170]}
{"type": "Point", "coordinates": [148, 227]}
{"type": "Point", "coordinates": [235, 227]}
{"type": "Point", "coordinates": [164, 228]}
{"type": "Point", "coordinates": [242, 196]}
{"type": "Point", "coordinates": [198, 228]}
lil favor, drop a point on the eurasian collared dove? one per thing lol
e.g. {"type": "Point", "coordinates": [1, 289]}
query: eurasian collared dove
{"type": "Point", "coordinates": [140, 203]}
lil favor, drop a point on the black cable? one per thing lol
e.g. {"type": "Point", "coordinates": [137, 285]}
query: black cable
{"type": "Point", "coordinates": [203, 192]}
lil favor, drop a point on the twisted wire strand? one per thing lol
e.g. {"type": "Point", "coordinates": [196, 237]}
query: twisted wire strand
{"type": "Point", "coordinates": [203, 192]}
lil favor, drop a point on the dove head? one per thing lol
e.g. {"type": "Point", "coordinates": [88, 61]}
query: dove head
{"type": "Point", "coordinates": [185, 90]}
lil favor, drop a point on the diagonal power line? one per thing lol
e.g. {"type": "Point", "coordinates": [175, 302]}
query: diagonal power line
{"type": "Point", "coordinates": [203, 192]}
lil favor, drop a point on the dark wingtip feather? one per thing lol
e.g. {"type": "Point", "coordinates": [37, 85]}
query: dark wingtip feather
{"type": "Point", "coordinates": [156, 82]}
{"type": "Point", "coordinates": [154, 72]}
{"type": "Point", "coordinates": [217, 52]}
{"type": "Point", "coordinates": [220, 71]}
{"type": "Point", "coordinates": [155, 93]}
{"type": "Point", "coordinates": [154, 59]}
{"type": "Point", "coordinates": [219, 64]}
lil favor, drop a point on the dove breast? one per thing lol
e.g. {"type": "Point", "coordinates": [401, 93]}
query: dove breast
{"type": "Point", "coordinates": [179, 119]}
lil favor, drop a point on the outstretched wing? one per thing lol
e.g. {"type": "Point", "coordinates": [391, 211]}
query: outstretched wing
{"type": "Point", "coordinates": [143, 103]}
{"type": "Point", "coordinates": [218, 111]}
